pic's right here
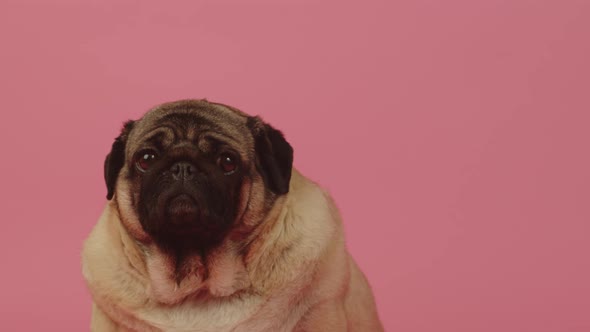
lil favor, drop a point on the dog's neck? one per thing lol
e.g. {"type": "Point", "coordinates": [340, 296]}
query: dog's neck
{"type": "Point", "coordinates": [223, 272]}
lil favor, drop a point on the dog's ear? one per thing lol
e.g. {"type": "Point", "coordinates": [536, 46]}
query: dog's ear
{"type": "Point", "coordinates": [274, 155]}
{"type": "Point", "coordinates": [116, 159]}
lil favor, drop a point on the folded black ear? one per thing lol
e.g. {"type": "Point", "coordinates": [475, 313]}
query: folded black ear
{"type": "Point", "coordinates": [116, 159]}
{"type": "Point", "coordinates": [274, 155]}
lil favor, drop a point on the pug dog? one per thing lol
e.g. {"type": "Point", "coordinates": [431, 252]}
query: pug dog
{"type": "Point", "coordinates": [208, 227]}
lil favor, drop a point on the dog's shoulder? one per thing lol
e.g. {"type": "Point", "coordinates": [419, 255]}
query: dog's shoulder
{"type": "Point", "coordinates": [307, 225]}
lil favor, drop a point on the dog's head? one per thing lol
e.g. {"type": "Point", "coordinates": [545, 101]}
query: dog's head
{"type": "Point", "coordinates": [189, 172]}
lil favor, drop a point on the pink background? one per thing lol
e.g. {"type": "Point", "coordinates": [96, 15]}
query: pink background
{"type": "Point", "coordinates": [453, 134]}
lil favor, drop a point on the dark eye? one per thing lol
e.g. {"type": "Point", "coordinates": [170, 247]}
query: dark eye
{"type": "Point", "coordinates": [228, 162]}
{"type": "Point", "coordinates": [145, 160]}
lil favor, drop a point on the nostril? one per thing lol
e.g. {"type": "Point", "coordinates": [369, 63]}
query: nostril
{"type": "Point", "coordinates": [175, 169]}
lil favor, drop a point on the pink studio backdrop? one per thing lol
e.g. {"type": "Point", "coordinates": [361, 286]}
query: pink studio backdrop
{"type": "Point", "coordinates": [454, 136]}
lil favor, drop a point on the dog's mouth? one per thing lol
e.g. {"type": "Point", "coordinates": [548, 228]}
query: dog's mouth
{"type": "Point", "coordinates": [188, 223]}
{"type": "Point", "coordinates": [182, 218]}
{"type": "Point", "coordinates": [183, 211]}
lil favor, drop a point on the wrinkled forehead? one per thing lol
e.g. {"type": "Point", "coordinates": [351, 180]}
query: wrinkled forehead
{"type": "Point", "coordinates": [195, 121]}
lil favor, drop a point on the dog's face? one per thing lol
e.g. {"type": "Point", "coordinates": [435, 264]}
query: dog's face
{"type": "Point", "coordinates": [188, 173]}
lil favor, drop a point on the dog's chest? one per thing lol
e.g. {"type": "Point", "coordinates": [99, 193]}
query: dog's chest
{"type": "Point", "coordinates": [244, 314]}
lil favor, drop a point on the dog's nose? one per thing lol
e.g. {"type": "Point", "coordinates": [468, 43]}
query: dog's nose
{"type": "Point", "coordinates": [183, 171]}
